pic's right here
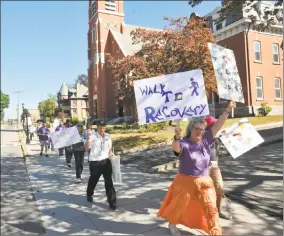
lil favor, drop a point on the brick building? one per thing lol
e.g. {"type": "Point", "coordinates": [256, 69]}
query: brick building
{"type": "Point", "coordinates": [107, 33]}
{"type": "Point", "coordinates": [259, 58]}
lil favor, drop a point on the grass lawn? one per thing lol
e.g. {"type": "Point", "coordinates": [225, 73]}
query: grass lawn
{"type": "Point", "coordinates": [131, 140]}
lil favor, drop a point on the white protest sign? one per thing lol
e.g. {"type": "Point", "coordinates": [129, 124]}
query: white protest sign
{"type": "Point", "coordinates": [171, 97]}
{"type": "Point", "coordinates": [226, 72]}
{"type": "Point", "coordinates": [240, 138]}
{"type": "Point", "coordinates": [55, 123]}
{"type": "Point", "coordinates": [65, 137]}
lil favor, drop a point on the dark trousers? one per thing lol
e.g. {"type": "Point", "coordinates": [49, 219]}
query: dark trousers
{"type": "Point", "coordinates": [98, 168]}
{"type": "Point", "coordinates": [79, 162]}
{"type": "Point", "coordinates": [61, 151]}
{"type": "Point", "coordinates": [68, 154]}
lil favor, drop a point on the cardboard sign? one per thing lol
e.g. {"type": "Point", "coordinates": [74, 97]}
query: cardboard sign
{"type": "Point", "coordinates": [226, 72]}
{"type": "Point", "coordinates": [240, 137]}
{"type": "Point", "coordinates": [171, 97]}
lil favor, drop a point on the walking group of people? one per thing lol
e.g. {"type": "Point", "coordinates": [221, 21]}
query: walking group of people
{"type": "Point", "coordinates": [98, 146]}
{"type": "Point", "coordinates": [194, 198]}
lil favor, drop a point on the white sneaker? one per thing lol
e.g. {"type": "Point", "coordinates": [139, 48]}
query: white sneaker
{"type": "Point", "coordinates": [78, 181]}
{"type": "Point", "coordinates": [174, 230]}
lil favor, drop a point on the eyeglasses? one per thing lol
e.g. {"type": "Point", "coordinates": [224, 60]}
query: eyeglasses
{"type": "Point", "coordinates": [198, 129]}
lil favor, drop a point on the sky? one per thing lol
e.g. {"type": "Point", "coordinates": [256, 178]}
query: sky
{"type": "Point", "coordinates": [44, 43]}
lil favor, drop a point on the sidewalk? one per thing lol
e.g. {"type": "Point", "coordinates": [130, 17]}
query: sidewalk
{"type": "Point", "coordinates": [64, 209]}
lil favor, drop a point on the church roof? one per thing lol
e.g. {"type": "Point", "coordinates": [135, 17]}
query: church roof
{"type": "Point", "coordinates": [124, 40]}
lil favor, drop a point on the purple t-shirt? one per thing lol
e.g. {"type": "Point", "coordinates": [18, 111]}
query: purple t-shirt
{"type": "Point", "coordinates": [195, 157]}
{"type": "Point", "coordinates": [60, 127]}
{"type": "Point", "coordinates": [43, 133]}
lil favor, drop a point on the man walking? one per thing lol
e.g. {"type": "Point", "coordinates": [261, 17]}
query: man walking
{"type": "Point", "coordinates": [59, 128]}
{"type": "Point", "coordinates": [68, 149]}
{"type": "Point", "coordinates": [100, 144]}
{"type": "Point", "coordinates": [43, 133]}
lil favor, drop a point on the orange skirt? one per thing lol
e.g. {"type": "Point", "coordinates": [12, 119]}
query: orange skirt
{"type": "Point", "coordinates": [191, 201]}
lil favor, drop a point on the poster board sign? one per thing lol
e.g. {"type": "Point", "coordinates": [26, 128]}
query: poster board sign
{"type": "Point", "coordinates": [240, 137]}
{"type": "Point", "coordinates": [65, 137]}
{"type": "Point", "coordinates": [226, 71]}
{"type": "Point", "coordinates": [171, 97]}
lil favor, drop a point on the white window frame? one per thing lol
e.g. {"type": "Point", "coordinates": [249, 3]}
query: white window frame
{"type": "Point", "coordinates": [277, 53]}
{"type": "Point", "coordinates": [254, 51]}
{"type": "Point", "coordinates": [261, 79]}
{"type": "Point", "coordinates": [279, 88]}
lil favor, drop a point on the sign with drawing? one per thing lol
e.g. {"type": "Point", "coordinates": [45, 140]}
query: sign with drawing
{"type": "Point", "coordinates": [65, 137]}
{"type": "Point", "coordinates": [226, 72]}
{"type": "Point", "coordinates": [171, 97]}
{"type": "Point", "coordinates": [240, 137]}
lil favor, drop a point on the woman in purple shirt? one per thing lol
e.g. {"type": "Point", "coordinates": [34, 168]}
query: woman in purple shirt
{"type": "Point", "coordinates": [191, 199]}
{"type": "Point", "coordinates": [43, 133]}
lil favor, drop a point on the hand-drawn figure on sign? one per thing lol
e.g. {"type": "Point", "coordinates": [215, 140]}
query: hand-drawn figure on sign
{"type": "Point", "coordinates": [195, 86]}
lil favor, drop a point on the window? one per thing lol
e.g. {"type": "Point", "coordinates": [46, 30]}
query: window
{"type": "Point", "coordinates": [275, 52]}
{"type": "Point", "coordinates": [259, 89]}
{"type": "Point", "coordinates": [110, 5]}
{"type": "Point", "coordinates": [277, 87]}
{"type": "Point", "coordinates": [219, 26]}
{"type": "Point", "coordinates": [257, 51]}
{"type": "Point", "coordinates": [93, 8]}
{"type": "Point", "coordinates": [93, 35]}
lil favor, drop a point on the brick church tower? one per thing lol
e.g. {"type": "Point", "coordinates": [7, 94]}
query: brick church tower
{"type": "Point", "coordinates": [104, 16]}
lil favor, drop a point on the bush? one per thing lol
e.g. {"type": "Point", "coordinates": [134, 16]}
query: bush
{"type": "Point", "coordinates": [264, 110]}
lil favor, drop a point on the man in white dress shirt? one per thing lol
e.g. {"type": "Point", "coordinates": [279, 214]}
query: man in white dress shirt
{"type": "Point", "coordinates": [101, 145]}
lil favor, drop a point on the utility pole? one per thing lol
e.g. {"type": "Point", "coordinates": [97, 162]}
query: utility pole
{"type": "Point", "coordinates": [18, 109]}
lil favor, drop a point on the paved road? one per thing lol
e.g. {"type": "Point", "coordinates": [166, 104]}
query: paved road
{"type": "Point", "coordinates": [19, 213]}
{"type": "Point", "coordinates": [256, 178]}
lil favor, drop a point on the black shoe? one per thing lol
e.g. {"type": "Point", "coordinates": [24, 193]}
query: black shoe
{"type": "Point", "coordinates": [112, 207]}
{"type": "Point", "coordinates": [89, 199]}
{"type": "Point", "coordinates": [46, 155]}
{"type": "Point", "coordinates": [40, 154]}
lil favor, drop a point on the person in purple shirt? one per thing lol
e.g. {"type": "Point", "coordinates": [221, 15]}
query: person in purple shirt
{"type": "Point", "coordinates": [58, 128]}
{"type": "Point", "coordinates": [191, 198]}
{"type": "Point", "coordinates": [43, 133]}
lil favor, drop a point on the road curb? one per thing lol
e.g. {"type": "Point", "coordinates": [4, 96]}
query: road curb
{"type": "Point", "coordinates": [173, 165]}
{"type": "Point", "coordinates": [23, 145]}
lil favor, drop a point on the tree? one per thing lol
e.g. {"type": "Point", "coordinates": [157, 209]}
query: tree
{"type": "Point", "coordinates": [5, 102]}
{"type": "Point", "coordinates": [271, 16]}
{"type": "Point", "coordinates": [47, 107]}
{"type": "Point", "coordinates": [82, 79]}
{"type": "Point", "coordinates": [183, 45]}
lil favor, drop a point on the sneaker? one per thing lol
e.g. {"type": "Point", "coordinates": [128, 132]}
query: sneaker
{"type": "Point", "coordinates": [61, 156]}
{"type": "Point", "coordinates": [46, 155]}
{"type": "Point", "coordinates": [78, 180]}
{"type": "Point", "coordinates": [40, 154]}
{"type": "Point", "coordinates": [69, 165]}
{"type": "Point", "coordinates": [89, 199]}
{"type": "Point", "coordinates": [225, 216]}
{"type": "Point", "coordinates": [174, 230]}
{"type": "Point", "coordinates": [112, 207]}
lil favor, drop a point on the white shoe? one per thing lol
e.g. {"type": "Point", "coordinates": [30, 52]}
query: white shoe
{"type": "Point", "coordinates": [174, 230]}
{"type": "Point", "coordinates": [78, 181]}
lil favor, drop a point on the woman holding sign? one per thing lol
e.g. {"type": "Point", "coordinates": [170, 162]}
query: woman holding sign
{"type": "Point", "coordinates": [191, 199]}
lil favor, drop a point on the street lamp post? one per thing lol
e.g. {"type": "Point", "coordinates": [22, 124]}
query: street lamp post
{"type": "Point", "coordinates": [18, 109]}
{"type": "Point", "coordinates": [25, 116]}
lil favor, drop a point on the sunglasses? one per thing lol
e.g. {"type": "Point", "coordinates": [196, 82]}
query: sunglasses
{"type": "Point", "coordinates": [198, 129]}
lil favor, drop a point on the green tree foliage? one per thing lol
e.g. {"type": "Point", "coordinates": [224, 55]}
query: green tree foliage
{"type": "Point", "coordinates": [5, 102]}
{"type": "Point", "coordinates": [271, 16]}
{"type": "Point", "coordinates": [47, 108]}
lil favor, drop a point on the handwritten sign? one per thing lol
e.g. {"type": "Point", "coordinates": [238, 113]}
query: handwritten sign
{"type": "Point", "coordinates": [240, 138]}
{"type": "Point", "coordinates": [226, 72]}
{"type": "Point", "coordinates": [65, 137]}
{"type": "Point", "coordinates": [171, 97]}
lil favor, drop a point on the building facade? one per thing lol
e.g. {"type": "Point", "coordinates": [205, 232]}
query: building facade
{"type": "Point", "coordinates": [107, 33]}
{"type": "Point", "coordinates": [259, 58]}
{"type": "Point", "coordinates": [74, 101]}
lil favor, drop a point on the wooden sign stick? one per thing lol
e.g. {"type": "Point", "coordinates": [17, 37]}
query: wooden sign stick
{"type": "Point", "coordinates": [233, 109]}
